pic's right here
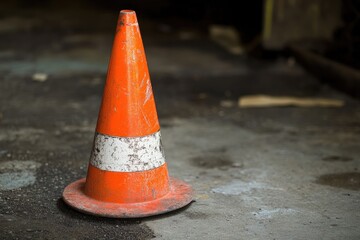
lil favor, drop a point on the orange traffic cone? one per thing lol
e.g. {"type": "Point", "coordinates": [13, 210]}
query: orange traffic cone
{"type": "Point", "coordinates": [127, 175]}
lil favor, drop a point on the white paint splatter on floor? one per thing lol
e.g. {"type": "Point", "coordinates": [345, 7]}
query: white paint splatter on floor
{"type": "Point", "coordinates": [16, 174]}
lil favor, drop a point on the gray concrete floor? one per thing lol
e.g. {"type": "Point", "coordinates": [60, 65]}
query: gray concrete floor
{"type": "Point", "coordinates": [270, 173]}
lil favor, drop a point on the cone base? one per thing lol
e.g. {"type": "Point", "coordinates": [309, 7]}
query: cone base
{"type": "Point", "coordinates": [180, 195]}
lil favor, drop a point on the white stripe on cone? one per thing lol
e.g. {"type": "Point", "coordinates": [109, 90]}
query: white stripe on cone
{"type": "Point", "coordinates": [121, 154]}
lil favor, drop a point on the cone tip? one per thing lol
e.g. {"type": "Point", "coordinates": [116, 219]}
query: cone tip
{"type": "Point", "coordinates": [127, 11]}
{"type": "Point", "coordinates": [127, 17]}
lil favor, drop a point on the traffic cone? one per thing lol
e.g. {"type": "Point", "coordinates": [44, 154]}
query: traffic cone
{"type": "Point", "coordinates": [127, 175]}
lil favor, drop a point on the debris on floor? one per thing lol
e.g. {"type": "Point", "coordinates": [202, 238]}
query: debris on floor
{"type": "Point", "coordinates": [40, 77]}
{"type": "Point", "coordinates": [275, 101]}
{"type": "Point", "coordinates": [226, 36]}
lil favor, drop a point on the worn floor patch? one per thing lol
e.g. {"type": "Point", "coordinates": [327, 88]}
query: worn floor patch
{"type": "Point", "coordinates": [196, 215]}
{"type": "Point", "coordinates": [238, 187]}
{"type": "Point", "coordinates": [335, 158]}
{"type": "Point", "coordinates": [349, 180]}
{"type": "Point", "coordinates": [270, 213]}
{"type": "Point", "coordinates": [219, 161]}
{"type": "Point", "coordinates": [17, 174]}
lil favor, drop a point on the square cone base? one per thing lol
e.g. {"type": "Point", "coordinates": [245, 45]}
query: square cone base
{"type": "Point", "coordinates": [180, 195]}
